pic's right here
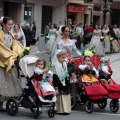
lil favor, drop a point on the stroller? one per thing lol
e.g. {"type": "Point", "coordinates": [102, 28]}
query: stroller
{"type": "Point", "coordinates": [113, 90]}
{"type": "Point", "coordinates": [87, 94]}
{"type": "Point", "coordinates": [30, 98]}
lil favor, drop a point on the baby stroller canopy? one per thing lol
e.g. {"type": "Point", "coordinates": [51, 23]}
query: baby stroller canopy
{"type": "Point", "coordinates": [28, 64]}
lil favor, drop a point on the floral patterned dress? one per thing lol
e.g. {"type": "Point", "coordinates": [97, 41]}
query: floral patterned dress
{"type": "Point", "coordinates": [9, 86]}
{"type": "Point", "coordinates": [69, 47]}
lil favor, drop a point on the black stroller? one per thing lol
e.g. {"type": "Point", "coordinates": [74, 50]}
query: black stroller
{"type": "Point", "coordinates": [29, 98]}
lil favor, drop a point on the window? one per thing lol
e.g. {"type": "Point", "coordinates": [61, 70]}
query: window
{"type": "Point", "coordinates": [87, 1]}
{"type": "Point", "coordinates": [28, 13]}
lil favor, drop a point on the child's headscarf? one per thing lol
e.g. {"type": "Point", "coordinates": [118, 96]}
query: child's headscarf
{"type": "Point", "coordinates": [104, 61]}
{"type": "Point", "coordinates": [60, 68]}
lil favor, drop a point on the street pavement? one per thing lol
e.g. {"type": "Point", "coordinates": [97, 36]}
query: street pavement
{"type": "Point", "coordinates": [79, 113]}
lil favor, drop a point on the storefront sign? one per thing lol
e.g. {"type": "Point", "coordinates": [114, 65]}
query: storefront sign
{"type": "Point", "coordinates": [75, 8]}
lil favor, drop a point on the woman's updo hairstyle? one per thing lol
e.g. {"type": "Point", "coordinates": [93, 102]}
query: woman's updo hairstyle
{"type": "Point", "coordinates": [6, 19]}
{"type": "Point", "coordinates": [63, 29]}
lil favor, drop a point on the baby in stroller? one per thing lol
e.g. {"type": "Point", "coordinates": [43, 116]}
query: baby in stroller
{"type": "Point", "coordinates": [105, 70]}
{"type": "Point", "coordinates": [90, 74]}
{"type": "Point", "coordinates": [44, 86]}
{"type": "Point", "coordinates": [38, 91]}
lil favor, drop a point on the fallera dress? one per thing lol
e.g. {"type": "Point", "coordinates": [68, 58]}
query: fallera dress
{"type": "Point", "coordinates": [96, 41]}
{"type": "Point", "coordinates": [9, 86]}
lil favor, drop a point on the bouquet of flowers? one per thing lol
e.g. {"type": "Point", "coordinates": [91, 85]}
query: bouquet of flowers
{"type": "Point", "coordinates": [24, 52]}
{"type": "Point", "coordinates": [92, 49]}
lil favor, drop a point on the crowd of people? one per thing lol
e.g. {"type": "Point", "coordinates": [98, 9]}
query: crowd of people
{"type": "Point", "coordinates": [105, 39]}
{"type": "Point", "coordinates": [16, 37]}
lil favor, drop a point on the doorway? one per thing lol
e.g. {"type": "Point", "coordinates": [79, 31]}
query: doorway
{"type": "Point", "coordinates": [46, 16]}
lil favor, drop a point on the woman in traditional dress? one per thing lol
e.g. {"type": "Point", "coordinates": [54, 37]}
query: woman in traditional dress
{"type": "Point", "coordinates": [105, 32]}
{"type": "Point", "coordinates": [52, 35]}
{"type": "Point", "coordinates": [18, 34]}
{"type": "Point", "coordinates": [9, 51]}
{"type": "Point", "coordinates": [113, 41]}
{"type": "Point", "coordinates": [63, 42]}
{"type": "Point", "coordinates": [61, 82]}
{"type": "Point", "coordinates": [97, 42]}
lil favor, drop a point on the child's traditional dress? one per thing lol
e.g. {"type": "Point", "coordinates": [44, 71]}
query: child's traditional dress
{"type": "Point", "coordinates": [105, 71]}
{"type": "Point", "coordinates": [63, 104]}
{"type": "Point", "coordinates": [43, 85]}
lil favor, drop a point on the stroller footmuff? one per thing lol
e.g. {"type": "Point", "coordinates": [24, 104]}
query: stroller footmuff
{"type": "Point", "coordinates": [113, 94]}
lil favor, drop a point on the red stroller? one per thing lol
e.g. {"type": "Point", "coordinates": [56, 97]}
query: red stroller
{"type": "Point", "coordinates": [87, 94]}
{"type": "Point", "coordinates": [113, 90]}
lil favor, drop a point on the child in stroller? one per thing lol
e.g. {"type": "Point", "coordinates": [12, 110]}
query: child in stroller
{"type": "Point", "coordinates": [33, 94]}
{"type": "Point", "coordinates": [45, 85]}
{"type": "Point", "coordinates": [105, 70]}
{"type": "Point", "coordinates": [89, 88]}
{"type": "Point", "coordinates": [90, 74]}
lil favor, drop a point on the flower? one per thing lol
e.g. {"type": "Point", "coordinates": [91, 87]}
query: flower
{"type": "Point", "coordinates": [101, 38]}
{"type": "Point", "coordinates": [111, 38]}
{"type": "Point", "coordinates": [93, 49]}
{"type": "Point", "coordinates": [47, 37]}
{"type": "Point", "coordinates": [50, 65]}
{"type": "Point", "coordinates": [88, 53]}
{"type": "Point", "coordinates": [24, 52]}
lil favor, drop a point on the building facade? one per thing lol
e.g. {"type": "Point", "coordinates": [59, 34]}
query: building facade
{"type": "Point", "coordinates": [59, 11]}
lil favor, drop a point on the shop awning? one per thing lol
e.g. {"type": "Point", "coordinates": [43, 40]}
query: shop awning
{"type": "Point", "coordinates": [17, 1]}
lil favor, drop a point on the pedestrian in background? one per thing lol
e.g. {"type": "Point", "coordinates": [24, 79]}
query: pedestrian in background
{"type": "Point", "coordinates": [33, 29]}
{"type": "Point", "coordinates": [18, 34]}
{"type": "Point", "coordinates": [88, 34]}
{"type": "Point", "coordinates": [28, 35]}
{"type": "Point", "coordinates": [52, 38]}
{"type": "Point", "coordinates": [46, 30]}
{"type": "Point", "coordinates": [80, 33]}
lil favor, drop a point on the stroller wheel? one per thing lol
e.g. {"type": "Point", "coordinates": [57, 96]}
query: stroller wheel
{"type": "Point", "coordinates": [114, 105]}
{"type": "Point", "coordinates": [36, 113]}
{"type": "Point", "coordinates": [102, 104]}
{"type": "Point", "coordinates": [32, 110]}
{"type": "Point", "coordinates": [89, 106]}
{"type": "Point", "coordinates": [73, 102]}
{"type": "Point", "coordinates": [51, 113]}
{"type": "Point", "coordinates": [12, 107]}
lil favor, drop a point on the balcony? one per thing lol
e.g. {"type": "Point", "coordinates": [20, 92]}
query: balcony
{"type": "Point", "coordinates": [101, 2]}
{"type": "Point", "coordinates": [76, 1]}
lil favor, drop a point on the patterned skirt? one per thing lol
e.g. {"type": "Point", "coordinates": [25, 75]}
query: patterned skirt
{"type": "Point", "coordinates": [9, 86]}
